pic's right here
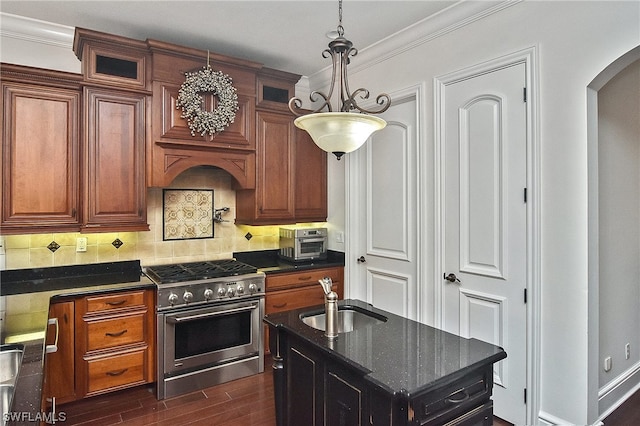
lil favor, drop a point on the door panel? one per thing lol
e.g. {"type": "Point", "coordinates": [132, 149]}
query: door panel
{"type": "Point", "coordinates": [389, 290]}
{"type": "Point", "coordinates": [481, 187]}
{"type": "Point", "coordinates": [385, 194]}
{"type": "Point", "coordinates": [484, 176]}
{"type": "Point", "coordinates": [387, 198]}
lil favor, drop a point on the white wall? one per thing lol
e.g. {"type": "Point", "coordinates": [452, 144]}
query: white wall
{"type": "Point", "coordinates": [619, 219]}
{"type": "Point", "coordinates": [575, 41]}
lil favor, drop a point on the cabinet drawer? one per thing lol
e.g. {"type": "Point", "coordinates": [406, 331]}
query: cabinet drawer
{"type": "Point", "coordinates": [293, 299]}
{"type": "Point", "coordinates": [454, 399]}
{"type": "Point", "coordinates": [116, 371]}
{"type": "Point", "coordinates": [115, 301]}
{"type": "Point", "coordinates": [116, 331]}
{"type": "Point", "coordinates": [278, 281]}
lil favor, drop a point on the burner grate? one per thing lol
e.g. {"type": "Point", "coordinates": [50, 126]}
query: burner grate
{"type": "Point", "coordinates": [198, 270]}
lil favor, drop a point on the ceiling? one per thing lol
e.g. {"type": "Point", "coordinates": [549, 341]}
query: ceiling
{"type": "Point", "coordinates": [286, 35]}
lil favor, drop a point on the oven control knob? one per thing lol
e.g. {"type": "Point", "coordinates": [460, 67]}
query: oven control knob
{"type": "Point", "coordinates": [222, 292]}
{"type": "Point", "coordinates": [173, 298]}
{"type": "Point", "coordinates": [240, 290]}
{"type": "Point", "coordinates": [208, 294]}
{"type": "Point", "coordinates": [187, 296]}
{"type": "Point", "coordinates": [231, 292]}
{"type": "Point", "coordinates": [253, 288]}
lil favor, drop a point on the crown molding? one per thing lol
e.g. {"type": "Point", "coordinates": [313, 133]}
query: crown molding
{"type": "Point", "coordinates": [34, 30]}
{"type": "Point", "coordinates": [458, 15]}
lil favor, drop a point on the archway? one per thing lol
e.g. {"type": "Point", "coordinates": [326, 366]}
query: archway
{"type": "Point", "coordinates": [613, 109]}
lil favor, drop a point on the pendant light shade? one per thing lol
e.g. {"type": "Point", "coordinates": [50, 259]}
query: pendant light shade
{"type": "Point", "coordinates": [346, 130]}
{"type": "Point", "coordinates": [339, 132]}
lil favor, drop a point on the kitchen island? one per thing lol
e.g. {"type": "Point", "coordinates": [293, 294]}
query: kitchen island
{"type": "Point", "coordinates": [388, 371]}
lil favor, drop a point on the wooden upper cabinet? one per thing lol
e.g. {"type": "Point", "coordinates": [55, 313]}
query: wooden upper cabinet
{"type": "Point", "coordinates": [310, 180]}
{"type": "Point", "coordinates": [238, 135]}
{"type": "Point", "coordinates": [272, 201]}
{"type": "Point", "coordinates": [115, 137]}
{"type": "Point", "coordinates": [173, 148]}
{"type": "Point", "coordinates": [291, 171]}
{"type": "Point", "coordinates": [111, 60]}
{"type": "Point", "coordinates": [40, 150]}
{"type": "Point", "coordinates": [275, 88]}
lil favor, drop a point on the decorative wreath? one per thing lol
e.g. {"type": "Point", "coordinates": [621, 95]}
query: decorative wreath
{"type": "Point", "coordinates": [190, 100]}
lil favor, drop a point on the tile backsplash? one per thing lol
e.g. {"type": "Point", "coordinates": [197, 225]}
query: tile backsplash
{"type": "Point", "coordinates": [31, 251]}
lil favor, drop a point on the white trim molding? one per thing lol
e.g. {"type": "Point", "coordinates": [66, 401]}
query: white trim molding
{"type": "Point", "coordinates": [458, 15]}
{"type": "Point", "coordinates": [35, 30]}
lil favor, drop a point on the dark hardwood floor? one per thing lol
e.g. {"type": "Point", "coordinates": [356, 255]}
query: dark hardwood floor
{"type": "Point", "coordinates": [627, 414]}
{"type": "Point", "coordinates": [243, 402]}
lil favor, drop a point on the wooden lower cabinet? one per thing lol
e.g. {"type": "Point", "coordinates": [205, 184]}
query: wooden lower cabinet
{"type": "Point", "coordinates": [115, 341]}
{"type": "Point", "coordinates": [59, 380]}
{"type": "Point", "coordinates": [106, 342]}
{"type": "Point", "coordinates": [116, 371]}
{"type": "Point", "coordinates": [294, 290]}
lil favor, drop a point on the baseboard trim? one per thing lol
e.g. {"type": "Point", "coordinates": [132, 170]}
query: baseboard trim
{"type": "Point", "coordinates": [617, 391]}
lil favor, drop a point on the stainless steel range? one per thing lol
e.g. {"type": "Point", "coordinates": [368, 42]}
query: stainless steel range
{"type": "Point", "coordinates": [209, 324]}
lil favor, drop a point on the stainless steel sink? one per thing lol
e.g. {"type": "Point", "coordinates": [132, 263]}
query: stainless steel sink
{"type": "Point", "coordinates": [348, 320]}
{"type": "Point", "coordinates": [6, 395]}
{"type": "Point", "coordinates": [10, 360]}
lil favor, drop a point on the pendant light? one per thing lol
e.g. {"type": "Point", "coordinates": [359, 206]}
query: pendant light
{"type": "Point", "coordinates": [346, 130]}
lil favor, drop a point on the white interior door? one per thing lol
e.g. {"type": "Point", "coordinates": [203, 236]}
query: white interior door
{"type": "Point", "coordinates": [484, 218]}
{"type": "Point", "coordinates": [383, 191]}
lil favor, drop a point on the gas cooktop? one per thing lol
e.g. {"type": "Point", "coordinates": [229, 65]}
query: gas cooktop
{"type": "Point", "coordinates": [197, 271]}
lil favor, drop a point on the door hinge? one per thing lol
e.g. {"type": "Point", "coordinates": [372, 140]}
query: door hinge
{"type": "Point", "coordinates": [524, 94]}
{"type": "Point", "coordinates": [525, 295]}
{"type": "Point", "coordinates": [525, 194]}
{"type": "Point", "coordinates": [525, 395]}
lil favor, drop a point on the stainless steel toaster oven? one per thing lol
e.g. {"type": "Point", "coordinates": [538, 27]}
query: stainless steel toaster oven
{"type": "Point", "coordinates": [303, 244]}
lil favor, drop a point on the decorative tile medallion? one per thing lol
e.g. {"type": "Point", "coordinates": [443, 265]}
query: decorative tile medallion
{"type": "Point", "coordinates": [187, 214]}
{"type": "Point", "coordinates": [53, 246]}
{"type": "Point", "coordinates": [117, 243]}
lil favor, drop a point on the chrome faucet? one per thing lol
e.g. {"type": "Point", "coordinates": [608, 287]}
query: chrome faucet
{"type": "Point", "coordinates": [331, 308]}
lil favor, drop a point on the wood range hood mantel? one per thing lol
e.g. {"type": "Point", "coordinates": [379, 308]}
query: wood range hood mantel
{"type": "Point", "coordinates": [174, 149]}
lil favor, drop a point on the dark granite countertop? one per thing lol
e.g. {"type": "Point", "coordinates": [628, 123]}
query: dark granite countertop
{"type": "Point", "coordinates": [26, 295]}
{"type": "Point", "coordinates": [399, 355]}
{"type": "Point", "coordinates": [267, 261]}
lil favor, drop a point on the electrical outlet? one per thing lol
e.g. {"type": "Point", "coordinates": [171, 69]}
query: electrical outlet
{"type": "Point", "coordinates": [607, 364]}
{"type": "Point", "coordinates": [627, 351]}
{"type": "Point", "coordinates": [2, 248]}
{"type": "Point", "coordinates": [340, 237]}
{"type": "Point", "coordinates": [81, 244]}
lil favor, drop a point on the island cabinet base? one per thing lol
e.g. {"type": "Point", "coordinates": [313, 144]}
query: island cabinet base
{"type": "Point", "coordinates": [312, 388]}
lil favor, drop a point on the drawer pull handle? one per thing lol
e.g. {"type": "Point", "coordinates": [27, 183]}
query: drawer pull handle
{"type": "Point", "coordinates": [307, 278]}
{"type": "Point", "coordinates": [117, 373]}
{"type": "Point", "coordinates": [118, 303]}
{"type": "Point", "coordinates": [452, 399]}
{"type": "Point", "coordinates": [118, 334]}
{"type": "Point", "coordinates": [282, 305]}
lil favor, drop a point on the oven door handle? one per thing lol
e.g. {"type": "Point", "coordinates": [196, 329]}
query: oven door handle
{"type": "Point", "coordinates": [312, 240]}
{"type": "Point", "coordinates": [211, 314]}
